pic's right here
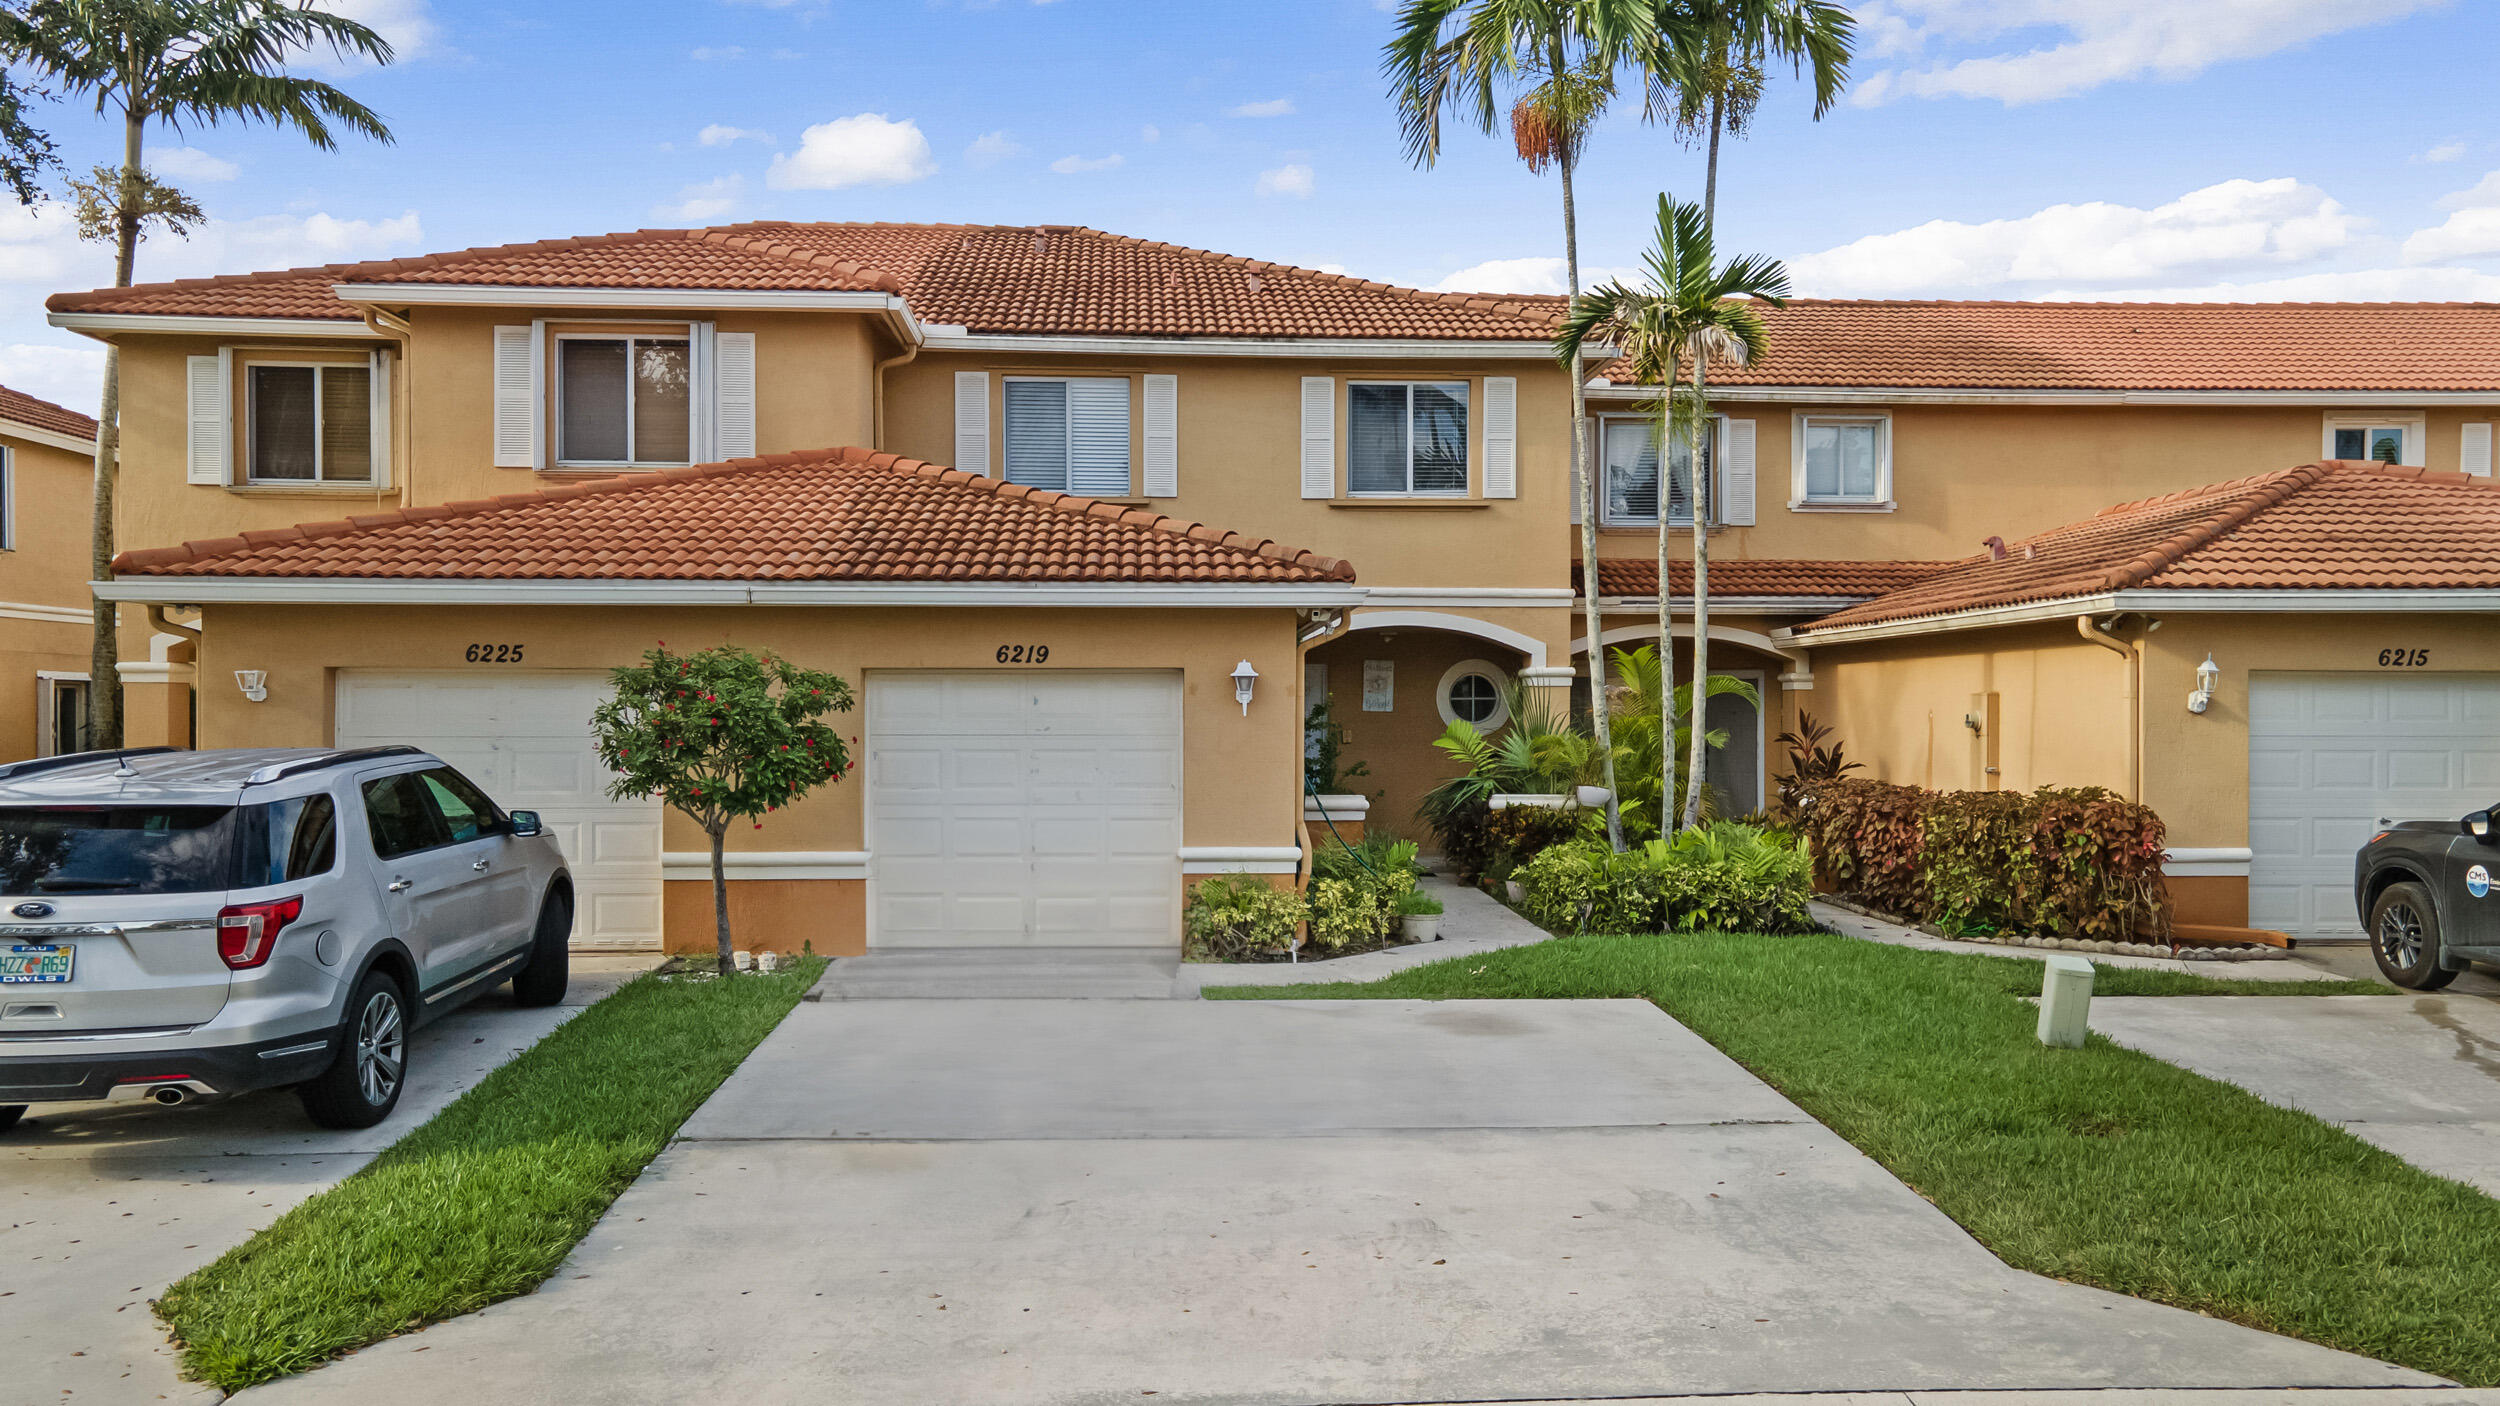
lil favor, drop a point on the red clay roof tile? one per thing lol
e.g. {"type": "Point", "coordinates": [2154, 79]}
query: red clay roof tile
{"type": "Point", "coordinates": [2337, 524]}
{"type": "Point", "coordinates": [1776, 576]}
{"type": "Point", "coordinates": [821, 515]}
{"type": "Point", "coordinates": [44, 415]}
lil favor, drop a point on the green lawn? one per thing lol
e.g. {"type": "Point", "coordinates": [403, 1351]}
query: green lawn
{"type": "Point", "coordinates": [485, 1200]}
{"type": "Point", "coordinates": [2099, 1165]}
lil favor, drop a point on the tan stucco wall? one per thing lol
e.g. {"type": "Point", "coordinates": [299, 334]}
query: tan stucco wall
{"type": "Point", "coordinates": [47, 567]}
{"type": "Point", "coordinates": [1963, 473]}
{"type": "Point", "coordinates": [1242, 778]}
{"type": "Point", "coordinates": [1240, 423]}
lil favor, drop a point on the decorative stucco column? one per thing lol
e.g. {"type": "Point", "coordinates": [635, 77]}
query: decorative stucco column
{"type": "Point", "coordinates": [156, 703]}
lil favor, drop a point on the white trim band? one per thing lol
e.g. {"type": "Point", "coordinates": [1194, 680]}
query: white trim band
{"type": "Point", "coordinates": [50, 614]}
{"type": "Point", "coordinates": [37, 434]}
{"type": "Point", "coordinates": [318, 590]}
{"type": "Point", "coordinates": [1464, 597]}
{"type": "Point", "coordinates": [2228, 862]}
{"type": "Point", "coordinates": [102, 323]}
{"type": "Point", "coordinates": [1240, 859]}
{"type": "Point", "coordinates": [1728, 396]}
{"type": "Point", "coordinates": [954, 337]}
{"type": "Point", "coordinates": [1549, 676]}
{"type": "Point", "coordinates": [1331, 806]}
{"type": "Point", "coordinates": [769, 864]}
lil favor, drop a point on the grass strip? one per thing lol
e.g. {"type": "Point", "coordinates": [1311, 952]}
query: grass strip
{"type": "Point", "coordinates": [2102, 1166]}
{"type": "Point", "coordinates": [483, 1201]}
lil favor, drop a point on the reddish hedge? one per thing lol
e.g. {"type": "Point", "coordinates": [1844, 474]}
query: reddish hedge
{"type": "Point", "coordinates": [2070, 862]}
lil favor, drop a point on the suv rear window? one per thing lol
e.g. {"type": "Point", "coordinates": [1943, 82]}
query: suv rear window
{"type": "Point", "coordinates": [116, 849]}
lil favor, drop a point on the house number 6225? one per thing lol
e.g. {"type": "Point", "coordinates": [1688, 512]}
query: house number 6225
{"type": "Point", "coordinates": [1024, 654]}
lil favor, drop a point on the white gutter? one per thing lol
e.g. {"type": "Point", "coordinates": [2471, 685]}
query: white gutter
{"type": "Point", "coordinates": [105, 324]}
{"type": "Point", "coordinates": [954, 337]}
{"type": "Point", "coordinates": [2300, 601]}
{"type": "Point", "coordinates": [323, 590]}
{"type": "Point", "coordinates": [1966, 395]}
{"type": "Point", "coordinates": [37, 434]}
{"type": "Point", "coordinates": [1774, 605]}
{"type": "Point", "coordinates": [896, 311]}
{"type": "Point", "coordinates": [1463, 597]}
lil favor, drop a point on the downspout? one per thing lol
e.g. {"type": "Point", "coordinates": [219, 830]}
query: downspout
{"type": "Point", "coordinates": [908, 333]}
{"type": "Point", "coordinates": [404, 420]}
{"type": "Point", "coordinates": [2135, 668]}
{"type": "Point", "coordinates": [163, 626]}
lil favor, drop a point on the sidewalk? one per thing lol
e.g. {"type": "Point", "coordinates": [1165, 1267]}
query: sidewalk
{"type": "Point", "coordinates": [1471, 922]}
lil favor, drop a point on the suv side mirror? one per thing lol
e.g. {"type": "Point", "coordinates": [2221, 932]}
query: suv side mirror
{"type": "Point", "coordinates": [2477, 826]}
{"type": "Point", "coordinates": [525, 823]}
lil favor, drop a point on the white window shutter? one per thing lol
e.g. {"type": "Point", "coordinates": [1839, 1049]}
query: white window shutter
{"type": "Point", "coordinates": [8, 500]}
{"type": "Point", "coordinates": [1501, 436]}
{"type": "Point", "coordinates": [2475, 458]}
{"type": "Point", "coordinates": [972, 422]}
{"type": "Point", "coordinates": [1736, 477]}
{"type": "Point", "coordinates": [378, 397]}
{"type": "Point", "coordinates": [733, 414]}
{"type": "Point", "coordinates": [1163, 436]}
{"type": "Point", "coordinates": [516, 397]}
{"type": "Point", "coordinates": [1319, 437]}
{"type": "Point", "coordinates": [211, 443]}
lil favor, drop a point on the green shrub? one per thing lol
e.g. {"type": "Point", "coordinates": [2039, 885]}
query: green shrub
{"type": "Point", "coordinates": [1346, 916]}
{"type": "Point", "coordinates": [1232, 917]}
{"type": "Point", "coordinates": [1356, 890]}
{"type": "Point", "coordinates": [1720, 878]}
{"type": "Point", "coordinates": [2066, 862]}
{"type": "Point", "coordinates": [1419, 905]}
{"type": "Point", "coordinates": [1518, 834]}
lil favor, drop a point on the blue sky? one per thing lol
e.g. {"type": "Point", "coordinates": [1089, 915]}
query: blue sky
{"type": "Point", "coordinates": [1993, 148]}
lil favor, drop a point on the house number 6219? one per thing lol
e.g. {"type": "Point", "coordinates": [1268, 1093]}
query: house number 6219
{"type": "Point", "coordinates": [1024, 654]}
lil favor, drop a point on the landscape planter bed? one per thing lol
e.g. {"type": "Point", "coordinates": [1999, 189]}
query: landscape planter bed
{"type": "Point", "coordinates": [2185, 952]}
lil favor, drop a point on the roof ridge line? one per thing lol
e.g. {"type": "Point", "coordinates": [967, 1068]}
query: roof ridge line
{"type": "Point", "coordinates": [2263, 493]}
{"type": "Point", "coordinates": [1506, 304]}
{"type": "Point", "coordinates": [882, 279]}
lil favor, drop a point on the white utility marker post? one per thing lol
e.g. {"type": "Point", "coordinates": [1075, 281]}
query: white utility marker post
{"type": "Point", "coordinates": [2065, 1002]}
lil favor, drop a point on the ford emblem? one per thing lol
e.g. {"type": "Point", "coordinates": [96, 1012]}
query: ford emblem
{"type": "Point", "coordinates": [33, 910]}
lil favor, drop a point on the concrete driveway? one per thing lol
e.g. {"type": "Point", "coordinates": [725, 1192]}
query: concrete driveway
{"type": "Point", "coordinates": [2416, 1074]}
{"type": "Point", "coordinates": [102, 1207]}
{"type": "Point", "coordinates": [1065, 1201]}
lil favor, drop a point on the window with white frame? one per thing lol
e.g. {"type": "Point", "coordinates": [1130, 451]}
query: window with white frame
{"type": "Point", "coordinates": [308, 422]}
{"type": "Point", "coordinates": [2389, 440]}
{"type": "Point", "coordinates": [1406, 438]}
{"type": "Point", "coordinates": [62, 713]}
{"type": "Point", "coordinates": [8, 499]}
{"type": "Point", "coordinates": [1628, 472]}
{"type": "Point", "coordinates": [1471, 692]}
{"type": "Point", "coordinates": [624, 400]}
{"type": "Point", "coordinates": [1069, 433]}
{"type": "Point", "coordinates": [1842, 461]}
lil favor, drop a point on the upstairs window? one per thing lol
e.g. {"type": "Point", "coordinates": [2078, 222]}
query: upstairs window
{"type": "Point", "coordinates": [1843, 461]}
{"type": "Point", "coordinates": [309, 424]}
{"type": "Point", "coordinates": [1406, 439]}
{"type": "Point", "coordinates": [1069, 434]}
{"type": "Point", "coordinates": [1628, 483]}
{"type": "Point", "coordinates": [2388, 443]}
{"type": "Point", "coordinates": [624, 400]}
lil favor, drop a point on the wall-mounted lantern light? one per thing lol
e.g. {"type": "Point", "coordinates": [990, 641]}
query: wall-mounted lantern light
{"type": "Point", "coordinates": [254, 683]}
{"type": "Point", "coordinates": [1245, 679]}
{"type": "Point", "coordinates": [2208, 678]}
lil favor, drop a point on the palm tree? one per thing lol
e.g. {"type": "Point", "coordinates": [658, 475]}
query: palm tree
{"type": "Point", "coordinates": [173, 61]}
{"type": "Point", "coordinates": [1656, 726]}
{"type": "Point", "coordinates": [1555, 60]}
{"type": "Point", "coordinates": [1699, 311]}
{"type": "Point", "coordinates": [1706, 58]}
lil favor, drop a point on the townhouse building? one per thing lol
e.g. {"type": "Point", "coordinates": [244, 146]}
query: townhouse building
{"type": "Point", "coordinates": [1090, 522]}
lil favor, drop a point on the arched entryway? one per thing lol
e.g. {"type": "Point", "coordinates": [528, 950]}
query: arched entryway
{"type": "Point", "coordinates": [1393, 681]}
{"type": "Point", "coordinates": [1740, 771]}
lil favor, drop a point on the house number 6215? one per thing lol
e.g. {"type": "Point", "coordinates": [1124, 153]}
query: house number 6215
{"type": "Point", "coordinates": [1024, 654]}
{"type": "Point", "coordinates": [2404, 658]}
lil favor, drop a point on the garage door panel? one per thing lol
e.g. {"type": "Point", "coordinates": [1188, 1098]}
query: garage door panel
{"type": "Point", "coordinates": [2330, 755]}
{"type": "Point", "coordinates": [1053, 817]}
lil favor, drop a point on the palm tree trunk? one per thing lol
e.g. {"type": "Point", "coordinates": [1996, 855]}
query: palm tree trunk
{"type": "Point", "coordinates": [1583, 482]}
{"type": "Point", "coordinates": [1666, 613]}
{"type": "Point", "coordinates": [1703, 472]}
{"type": "Point", "coordinates": [104, 691]}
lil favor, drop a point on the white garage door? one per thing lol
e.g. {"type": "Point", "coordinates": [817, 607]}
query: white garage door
{"type": "Point", "coordinates": [2331, 755]}
{"type": "Point", "coordinates": [1015, 809]}
{"type": "Point", "coordinates": [526, 739]}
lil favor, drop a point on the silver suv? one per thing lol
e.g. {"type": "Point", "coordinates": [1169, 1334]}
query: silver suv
{"type": "Point", "coordinates": [179, 925]}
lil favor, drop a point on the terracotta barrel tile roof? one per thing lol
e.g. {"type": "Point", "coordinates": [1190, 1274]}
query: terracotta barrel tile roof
{"type": "Point", "coordinates": [823, 515]}
{"type": "Point", "coordinates": [2126, 346]}
{"type": "Point", "coordinates": [2338, 524]}
{"type": "Point", "coordinates": [989, 278]}
{"type": "Point", "coordinates": [44, 415]}
{"type": "Point", "coordinates": [1775, 576]}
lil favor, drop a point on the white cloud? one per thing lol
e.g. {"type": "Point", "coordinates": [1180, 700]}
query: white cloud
{"type": "Point", "coordinates": [2442, 154]}
{"type": "Point", "coordinates": [2099, 41]}
{"type": "Point", "coordinates": [2466, 234]}
{"type": "Point", "coordinates": [2483, 192]}
{"type": "Point", "coordinates": [182, 164]}
{"type": "Point", "coordinates": [1530, 275]}
{"type": "Point", "coordinates": [41, 247]}
{"type": "Point", "coordinates": [1071, 165]}
{"type": "Point", "coordinates": [2221, 229]}
{"type": "Point", "coordinates": [717, 53]}
{"type": "Point", "coordinates": [2376, 285]}
{"type": "Point", "coordinates": [866, 150]}
{"type": "Point", "coordinates": [1293, 180]}
{"type": "Point", "coordinates": [990, 148]}
{"type": "Point", "coordinates": [71, 375]}
{"type": "Point", "coordinates": [1273, 107]}
{"type": "Point", "coordinates": [707, 200]}
{"type": "Point", "coordinates": [407, 25]}
{"type": "Point", "coordinates": [719, 135]}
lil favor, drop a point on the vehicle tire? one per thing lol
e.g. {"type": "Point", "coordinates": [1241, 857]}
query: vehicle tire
{"type": "Point", "coordinates": [9, 1114]}
{"type": "Point", "coordinates": [541, 980]}
{"type": "Point", "coordinates": [362, 1084]}
{"type": "Point", "coordinates": [2404, 937]}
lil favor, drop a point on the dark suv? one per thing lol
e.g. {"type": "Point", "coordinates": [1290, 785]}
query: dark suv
{"type": "Point", "coordinates": [2424, 891]}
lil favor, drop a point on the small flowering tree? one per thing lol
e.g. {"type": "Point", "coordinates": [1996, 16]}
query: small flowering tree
{"type": "Point", "coordinates": [722, 735]}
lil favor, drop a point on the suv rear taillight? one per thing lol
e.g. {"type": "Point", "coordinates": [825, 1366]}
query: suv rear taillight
{"type": "Point", "coordinates": [248, 932]}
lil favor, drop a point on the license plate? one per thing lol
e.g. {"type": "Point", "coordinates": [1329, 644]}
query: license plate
{"type": "Point", "coordinates": [35, 964]}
